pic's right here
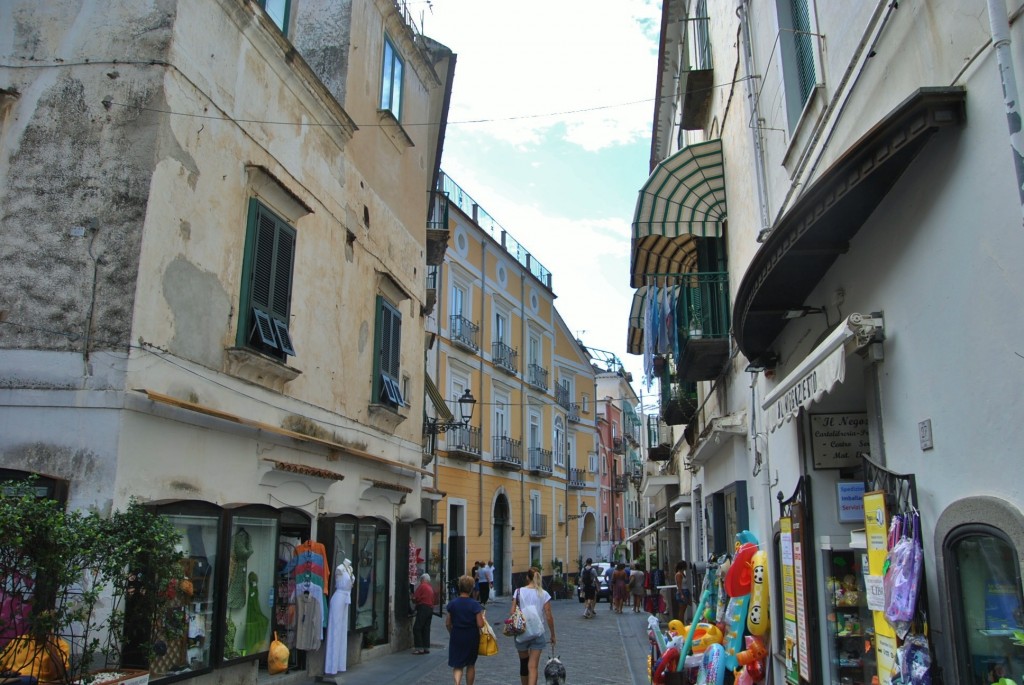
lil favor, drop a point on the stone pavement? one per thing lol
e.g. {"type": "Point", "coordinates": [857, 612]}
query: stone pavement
{"type": "Point", "coordinates": [610, 649]}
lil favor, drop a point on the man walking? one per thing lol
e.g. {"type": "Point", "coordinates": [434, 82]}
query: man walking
{"type": "Point", "coordinates": [588, 581]}
{"type": "Point", "coordinates": [486, 582]}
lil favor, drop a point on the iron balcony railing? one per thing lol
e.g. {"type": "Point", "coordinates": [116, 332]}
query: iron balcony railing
{"type": "Point", "coordinates": [465, 333]}
{"type": "Point", "coordinates": [577, 479]}
{"type": "Point", "coordinates": [538, 525]}
{"type": "Point", "coordinates": [618, 444]}
{"type": "Point", "coordinates": [540, 461]}
{"type": "Point", "coordinates": [634, 522]}
{"type": "Point", "coordinates": [464, 442]}
{"type": "Point", "coordinates": [537, 376]}
{"type": "Point", "coordinates": [562, 395]}
{"type": "Point", "coordinates": [698, 44]}
{"type": "Point", "coordinates": [507, 453]}
{"type": "Point", "coordinates": [620, 483]}
{"type": "Point", "coordinates": [573, 414]}
{"type": "Point", "coordinates": [505, 358]}
{"type": "Point", "coordinates": [678, 400]}
{"type": "Point", "coordinates": [703, 305]}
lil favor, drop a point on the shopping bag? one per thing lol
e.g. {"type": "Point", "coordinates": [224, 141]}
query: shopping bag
{"type": "Point", "coordinates": [515, 624]}
{"type": "Point", "coordinates": [488, 641]}
{"type": "Point", "coordinates": [277, 657]}
{"type": "Point", "coordinates": [903, 577]}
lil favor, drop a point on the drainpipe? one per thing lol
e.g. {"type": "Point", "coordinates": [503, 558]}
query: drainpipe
{"type": "Point", "coordinates": [1000, 24]}
{"type": "Point", "coordinates": [755, 118]}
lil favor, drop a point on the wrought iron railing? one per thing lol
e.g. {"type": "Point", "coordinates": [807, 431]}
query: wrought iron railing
{"type": "Point", "coordinates": [698, 43]}
{"type": "Point", "coordinates": [618, 444]}
{"type": "Point", "coordinates": [505, 358]}
{"type": "Point", "coordinates": [573, 413]}
{"type": "Point", "coordinates": [507, 453]}
{"type": "Point", "coordinates": [537, 376]}
{"type": "Point", "coordinates": [540, 460]}
{"type": "Point", "coordinates": [562, 395]}
{"type": "Point", "coordinates": [538, 525]}
{"type": "Point", "coordinates": [465, 333]}
{"type": "Point", "coordinates": [464, 441]}
{"type": "Point", "coordinates": [577, 479]}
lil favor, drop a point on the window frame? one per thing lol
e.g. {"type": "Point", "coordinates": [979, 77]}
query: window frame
{"type": "Point", "coordinates": [390, 58]}
{"type": "Point", "coordinates": [387, 389]}
{"type": "Point", "coordinates": [798, 52]}
{"type": "Point", "coordinates": [283, 26]}
{"type": "Point", "coordinates": [271, 329]}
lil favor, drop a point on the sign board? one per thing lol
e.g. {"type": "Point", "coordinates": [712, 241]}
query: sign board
{"type": "Point", "coordinates": [788, 599]}
{"type": "Point", "coordinates": [850, 500]}
{"type": "Point", "coordinates": [838, 440]}
{"type": "Point", "coordinates": [876, 523]}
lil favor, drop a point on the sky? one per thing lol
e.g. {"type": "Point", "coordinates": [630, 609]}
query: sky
{"type": "Point", "coordinates": [550, 132]}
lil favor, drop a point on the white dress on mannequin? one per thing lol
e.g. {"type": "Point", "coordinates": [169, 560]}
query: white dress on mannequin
{"type": "Point", "coordinates": [337, 625]}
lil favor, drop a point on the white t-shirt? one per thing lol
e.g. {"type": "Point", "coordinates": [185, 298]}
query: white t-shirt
{"type": "Point", "coordinates": [535, 599]}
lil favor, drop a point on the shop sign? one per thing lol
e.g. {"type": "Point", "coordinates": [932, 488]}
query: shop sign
{"type": "Point", "coordinates": [850, 499]}
{"type": "Point", "coordinates": [800, 583]}
{"type": "Point", "coordinates": [788, 598]}
{"type": "Point", "coordinates": [876, 528]}
{"type": "Point", "coordinates": [838, 440]}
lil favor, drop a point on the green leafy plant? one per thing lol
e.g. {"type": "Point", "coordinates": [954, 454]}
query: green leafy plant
{"type": "Point", "coordinates": [70, 573]}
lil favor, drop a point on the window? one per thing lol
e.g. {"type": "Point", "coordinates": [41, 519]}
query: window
{"type": "Point", "coordinates": [534, 430]}
{"type": "Point", "coordinates": [278, 11]}
{"type": "Point", "coordinates": [586, 403]}
{"type": "Point", "coordinates": [559, 442]}
{"type": "Point", "coordinates": [458, 298]}
{"type": "Point", "coordinates": [592, 465]}
{"type": "Point", "coordinates": [500, 327]}
{"type": "Point", "coordinates": [534, 350]}
{"type": "Point", "coordinates": [985, 584]}
{"type": "Point", "coordinates": [391, 80]}
{"type": "Point", "coordinates": [500, 425]}
{"type": "Point", "coordinates": [387, 362]}
{"type": "Point", "coordinates": [797, 55]}
{"type": "Point", "coordinates": [267, 283]}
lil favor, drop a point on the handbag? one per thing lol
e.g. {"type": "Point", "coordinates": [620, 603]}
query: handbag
{"type": "Point", "coordinates": [902, 580]}
{"type": "Point", "coordinates": [488, 641]}
{"type": "Point", "coordinates": [515, 624]}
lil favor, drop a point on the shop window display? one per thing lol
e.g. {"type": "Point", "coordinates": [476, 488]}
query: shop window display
{"type": "Point", "coordinates": [850, 623]}
{"type": "Point", "coordinates": [366, 543]}
{"type": "Point", "coordinates": [986, 589]}
{"type": "Point", "coordinates": [252, 546]}
{"type": "Point", "coordinates": [184, 646]}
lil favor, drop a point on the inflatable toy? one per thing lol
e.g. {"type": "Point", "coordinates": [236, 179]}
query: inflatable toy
{"type": "Point", "coordinates": [755, 651]}
{"type": "Point", "coordinates": [757, 615]}
{"type": "Point", "coordinates": [669, 661]}
{"type": "Point", "coordinates": [676, 627]}
{"type": "Point", "coordinates": [705, 635]}
{"type": "Point", "coordinates": [712, 667]}
{"type": "Point", "coordinates": [738, 579]}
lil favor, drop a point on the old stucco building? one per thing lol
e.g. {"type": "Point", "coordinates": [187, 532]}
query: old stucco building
{"type": "Point", "coordinates": [213, 262]}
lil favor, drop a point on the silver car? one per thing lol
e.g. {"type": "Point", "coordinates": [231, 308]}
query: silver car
{"type": "Point", "coordinates": [603, 590]}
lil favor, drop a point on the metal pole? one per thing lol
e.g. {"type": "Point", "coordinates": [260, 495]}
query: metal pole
{"type": "Point", "coordinates": [1000, 25]}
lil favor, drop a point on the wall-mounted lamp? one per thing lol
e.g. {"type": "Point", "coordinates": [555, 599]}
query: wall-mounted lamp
{"type": "Point", "coordinates": [766, 362]}
{"type": "Point", "coordinates": [798, 312]}
{"type": "Point", "coordinates": [583, 512]}
{"type": "Point", "coordinates": [433, 426]}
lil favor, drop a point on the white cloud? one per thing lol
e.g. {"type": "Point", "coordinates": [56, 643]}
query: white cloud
{"type": "Point", "coordinates": [530, 66]}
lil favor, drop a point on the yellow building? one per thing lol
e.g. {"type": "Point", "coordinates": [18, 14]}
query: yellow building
{"type": "Point", "coordinates": [516, 483]}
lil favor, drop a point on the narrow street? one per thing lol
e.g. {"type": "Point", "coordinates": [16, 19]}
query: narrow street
{"type": "Point", "coordinates": [609, 648]}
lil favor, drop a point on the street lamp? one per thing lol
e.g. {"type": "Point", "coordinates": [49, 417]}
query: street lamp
{"type": "Point", "coordinates": [583, 512]}
{"type": "Point", "coordinates": [467, 402]}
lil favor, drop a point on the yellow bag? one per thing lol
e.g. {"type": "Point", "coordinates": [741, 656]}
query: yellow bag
{"type": "Point", "coordinates": [488, 641]}
{"type": "Point", "coordinates": [277, 657]}
{"type": "Point", "coordinates": [47, 661]}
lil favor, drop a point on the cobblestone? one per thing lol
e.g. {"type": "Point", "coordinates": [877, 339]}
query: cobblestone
{"type": "Point", "coordinates": [610, 649]}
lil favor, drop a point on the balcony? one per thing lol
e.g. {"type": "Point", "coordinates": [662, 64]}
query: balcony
{"type": "Point", "coordinates": [464, 442]}
{"type": "Point", "coordinates": [538, 525]}
{"type": "Point", "coordinates": [437, 228]}
{"type": "Point", "coordinates": [432, 275]}
{"type": "Point", "coordinates": [703, 308]}
{"type": "Point", "coordinates": [563, 395]}
{"type": "Point", "coordinates": [621, 483]}
{"type": "Point", "coordinates": [634, 522]}
{"type": "Point", "coordinates": [619, 445]}
{"type": "Point", "coordinates": [464, 333]}
{"type": "Point", "coordinates": [678, 401]}
{"type": "Point", "coordinates": [507, 454]}
{"type": "Point", "coordinates": [505, 358]}
{"type": "Point", "coordinates": [696, 75]}
{"type": "Point", "coordinates": [659, 439]}
{"type": "Point", "coordinates": [540, 461]}
{"type": "Point", "coordinates": [573, 415]}
{"type": "Point", "coordinates": [537, 377]}
{"type": "Point", "coordinates": [577, 479]}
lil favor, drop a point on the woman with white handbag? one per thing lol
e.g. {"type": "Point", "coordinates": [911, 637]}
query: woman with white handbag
{"type": "Point", "coordinates": [534, 601]}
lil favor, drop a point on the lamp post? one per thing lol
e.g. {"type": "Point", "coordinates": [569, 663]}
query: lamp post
{"type": "Point", "coordinates": [432, 426]}
{"type": "Point", "coordinates": [583, 512]}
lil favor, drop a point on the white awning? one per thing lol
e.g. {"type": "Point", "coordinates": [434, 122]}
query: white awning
{"type": "Point", "coordinates": [653, 485]}
{"type": "Point", "coordinates": [819, 372]}
{"type": "Point", "coordinates": [646, 530]}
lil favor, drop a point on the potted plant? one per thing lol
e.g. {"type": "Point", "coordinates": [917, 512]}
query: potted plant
{"type": "Point", "coordinates": [69, 576]}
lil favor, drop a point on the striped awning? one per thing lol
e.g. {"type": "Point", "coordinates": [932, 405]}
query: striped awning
{"type": "Point", "coordinates": [684, 198]}
{"type": "Point", "coordinates": [635, 335]}
{"type": "Point", "coordinates": [436, 399]}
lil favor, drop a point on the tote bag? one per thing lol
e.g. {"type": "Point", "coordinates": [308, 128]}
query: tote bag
{"type": "Point", "coordinates": [515, 624]}
{"type": "Point", "coordinates": [488, 641]}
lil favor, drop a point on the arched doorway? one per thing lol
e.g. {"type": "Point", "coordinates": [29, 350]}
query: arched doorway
{"type": "Point", "coordinates": [499, 535]}
{"type": "Point", "coordinates": [588, 538]}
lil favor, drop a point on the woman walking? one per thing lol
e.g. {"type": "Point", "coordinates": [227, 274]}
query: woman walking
{"type": "Point", "coordinates": [683, 594]}
{"type": "Point", "coordinates": [534, 601]}
{"type": "Point", "coordinates": [620, 594]}
{"type": "Point", "coordinates": [464, 620]}
{"type": "Point", "coordinates": [423, 598]}
{"type": "Point", "coordinates": [636, 587]}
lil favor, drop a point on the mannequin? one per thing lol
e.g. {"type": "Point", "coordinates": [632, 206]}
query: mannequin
{"type": "Point", "coordinates": [337, 627]}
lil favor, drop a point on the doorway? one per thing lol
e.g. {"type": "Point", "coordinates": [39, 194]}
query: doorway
{"type": "Point", "coordinates": [501, 522]}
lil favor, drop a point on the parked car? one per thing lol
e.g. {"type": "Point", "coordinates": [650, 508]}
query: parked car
{"type": "Point", "coordinates": [603, 591]}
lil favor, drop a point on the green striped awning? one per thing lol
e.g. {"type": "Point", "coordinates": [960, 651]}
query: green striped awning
{"type": "Point", "coordinates": [436, 399]}
{"type": "Point", "coordinates": [683, 198]}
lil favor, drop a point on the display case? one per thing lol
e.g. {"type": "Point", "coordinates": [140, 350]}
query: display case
{"type": "Point", "coordinates": [294, 529]}
{"type": "Point", "coordinates": [851, 642]}
{"type": "Point", "coordinates": [251, 536]}
{"type": "Point", "coordinates": [365, 542]}
{"type": "Point", "coordinates": [183, 644]}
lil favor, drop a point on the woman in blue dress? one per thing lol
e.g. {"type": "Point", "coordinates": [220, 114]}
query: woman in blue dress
{"type": "Point", "coordinates": [464, 620]}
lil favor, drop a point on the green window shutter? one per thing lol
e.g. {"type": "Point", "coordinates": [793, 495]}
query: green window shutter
{"type": "Point", "coordinates": [267, 282]}
{"type": "Point", "coordinates": [387, 361]}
